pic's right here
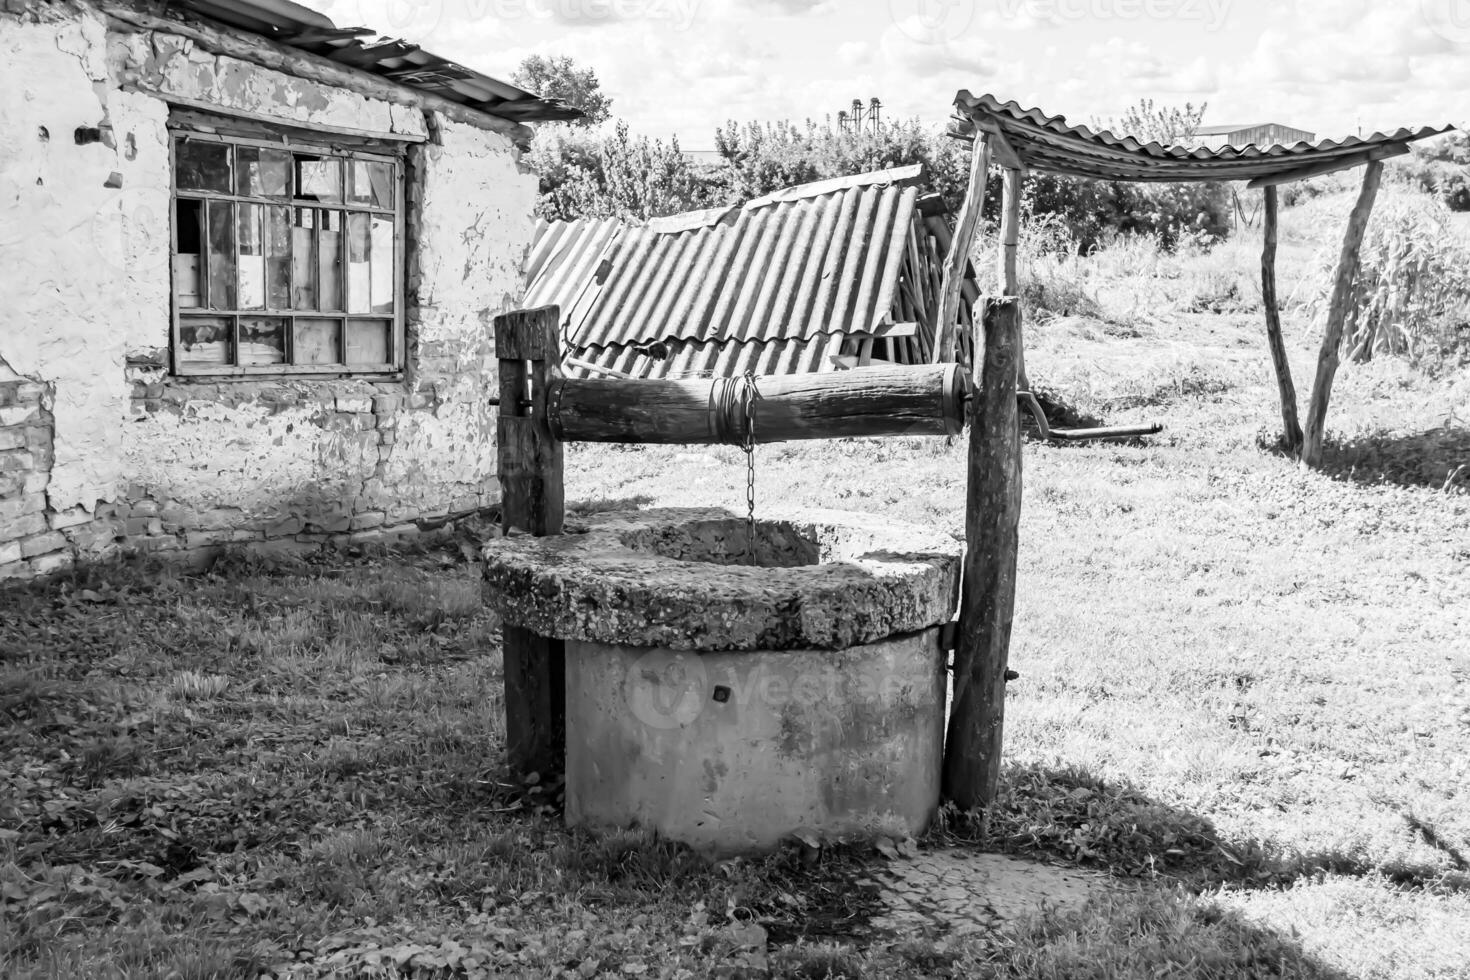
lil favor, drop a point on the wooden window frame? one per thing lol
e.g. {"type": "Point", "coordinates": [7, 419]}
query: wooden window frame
{"type": "Point", "coordinates": [235, 133]}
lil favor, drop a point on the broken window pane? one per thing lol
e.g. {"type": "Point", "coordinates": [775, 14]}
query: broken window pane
{"type": "Point", "coordinates": [382, 262]}
{"type": "Point", "coordinates": [372, 183]}
{"type": "Point", "coordinates": [205, 340]}
{"type": "Point", "coordinates": [202, 166]}
{"type": "Point", "coordinates": [278, 258]}
{"type": "Point", "coordinates": [317, 341]}
{"type": "Point", "coordinates": [189, 229]}
{"type": "Point", "coordinates": [368, 341]}
{"type": "Point", "coordinates": [262, 340]}
{"type": "Point", "coordinates": [329, 278]}
{"type": "Point", "coordinates": [319, 179]}
{"type": "Point", "coordinates": [303, 259]}
{"type": "Point", "coordinates": [252, 257]}
{"type": "Point", "coordinates": [359, 267]}
{"type": "Point", "coordinates": [262, 172]}
{"type": "Point", "coordinates": [221, 255]}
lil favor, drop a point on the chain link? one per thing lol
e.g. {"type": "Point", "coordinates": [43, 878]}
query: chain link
{"type": "Point", "coordinates": [749, 395]}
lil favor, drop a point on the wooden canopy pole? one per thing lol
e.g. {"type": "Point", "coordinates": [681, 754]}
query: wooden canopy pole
{"type": "Point", "coordinates": [1342, 288]}
{"type": "Point", "coordinates": [1010, 236]}
{"type": "Point", "coordinates": [946, 332]}
{"type": "Point", "coordinates": [531, 500]}
{"type": "Point", "coordinates": [988, 587]}
{"type": "Point", "coordinates": [1291, 428]}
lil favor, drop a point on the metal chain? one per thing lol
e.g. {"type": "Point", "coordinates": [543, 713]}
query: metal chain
{"type": "Point", "coordinates": [750, 394]}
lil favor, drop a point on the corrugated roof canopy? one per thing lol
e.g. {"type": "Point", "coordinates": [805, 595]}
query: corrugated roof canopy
{"type": "Point", "coordinates": [1031, 139]}
{"type": "Point", "coordinates": [776, 285]}
{"type": "Point", "coordinates": [399, 61]}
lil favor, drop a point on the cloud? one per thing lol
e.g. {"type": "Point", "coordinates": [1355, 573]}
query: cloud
{"type": "Point", "coordinates": [925, 50]}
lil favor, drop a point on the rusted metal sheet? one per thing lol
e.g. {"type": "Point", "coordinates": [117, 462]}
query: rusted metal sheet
{"type": "Point", "coordinates": [1048, 143]}
{"type": "Point", "coordinates": [784, 283]}
{"type": "Point", "coordinates": [401, 61]}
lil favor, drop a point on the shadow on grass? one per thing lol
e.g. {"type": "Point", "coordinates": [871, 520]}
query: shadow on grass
{"type": "Point", "coordinates": [1076, 818]}
{"type": "Point", "coordinates": [1437, 458]}
{"type": "Point", "coordinates": [1070, 817]}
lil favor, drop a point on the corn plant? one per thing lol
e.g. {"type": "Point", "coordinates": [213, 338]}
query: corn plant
{"type": "Point", "coordinates": [1411, 297]}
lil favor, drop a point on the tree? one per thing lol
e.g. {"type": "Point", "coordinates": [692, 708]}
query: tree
{"type": "Point", "coordinates": [558, 77]}
{"type": "Point", "coordinates": [1168, 125]}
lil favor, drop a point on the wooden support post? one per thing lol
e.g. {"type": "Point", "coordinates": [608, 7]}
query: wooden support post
{"type": "Point", "coordinates": [1010, 237]}
{"type": "Point", "coordinates": [948, 306]}
{"type": "Point", "coordinates": [1337, 310]}
{"type": "Point", "coordinates": [531, 500]}
{"type": "Point", "coordinates": [988, 588]}
{"type": "Point", "coordinates": [1291, 428]}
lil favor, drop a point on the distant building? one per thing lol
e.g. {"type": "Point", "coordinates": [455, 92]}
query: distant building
{"type": "Point", "coordinates": [1246, 134]}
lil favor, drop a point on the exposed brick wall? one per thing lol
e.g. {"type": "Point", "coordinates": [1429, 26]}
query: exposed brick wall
{"type": "Point", "coordinates": [33, 539]}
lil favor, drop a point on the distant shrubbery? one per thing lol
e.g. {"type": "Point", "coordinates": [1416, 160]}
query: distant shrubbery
{"type": "Point", "coordinates": [586, 174]}
{"type": "Point", "coordinates": [1442, 168]}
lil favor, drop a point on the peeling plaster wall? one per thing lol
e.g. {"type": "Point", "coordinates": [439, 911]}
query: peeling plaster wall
{"type": "Point", "coordinates": [145, 461]}
{"type": "Point", "coordinates": [61, 243]}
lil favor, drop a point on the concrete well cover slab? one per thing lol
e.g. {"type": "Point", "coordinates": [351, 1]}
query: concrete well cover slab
{"type": "Point", "coordinates": [681, 578]}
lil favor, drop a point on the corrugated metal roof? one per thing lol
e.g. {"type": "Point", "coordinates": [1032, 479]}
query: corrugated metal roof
{"type": "Point", "coordinates": [399, 61]}
{"type": "Point", "coordinates": [1047, 142]}
{"type": "Point", "coordinates": [772, 286]}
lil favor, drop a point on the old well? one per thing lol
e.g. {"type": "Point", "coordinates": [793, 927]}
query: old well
{"type": "Point", "coordinates": [731, 704]}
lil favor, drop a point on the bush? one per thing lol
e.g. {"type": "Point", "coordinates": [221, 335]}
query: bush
{"type": "Point", "coordinates": [586, 175]}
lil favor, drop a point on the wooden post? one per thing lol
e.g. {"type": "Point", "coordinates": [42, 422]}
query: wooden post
{"type": "Point", "coordinates": [1337, 309]}
{"type": "Point", "coordinates": [1010, 236]}
{"type": "Point", "coordinates": [531, 500]}
{"type": "Point", "coordinates": [1291, 428]}
{"type": "Point", "coordinates": [947, 318]}
{"type": "Point", "coordinates": [988, 586]}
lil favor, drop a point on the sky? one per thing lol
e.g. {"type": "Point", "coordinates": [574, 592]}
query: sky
{"type": "Point", "coordinates": [682, 67]}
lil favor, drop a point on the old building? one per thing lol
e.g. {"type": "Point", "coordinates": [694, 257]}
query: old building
{"type": "Point", "coordinates": [251, 263]}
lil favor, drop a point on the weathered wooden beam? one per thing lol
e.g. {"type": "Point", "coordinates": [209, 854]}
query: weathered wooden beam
{"type": "Point", "coordinates": [1337, 310]}
{"type": "Point", "coordinates": [1010, 237]}
{"type": "Point", "coordinates": [946, 321]}
{"type": "Point", "coordinates": [1291, 428]}
{"type": "Point", "coordinates": [303, 64]}
{"type": "Point", "coordinates": [1331, 165]}
{"type": "Point", "coordinates": [988, 588]}
{"type": "Point", "coordinates": [867, 401]}
{"type": "Point", "coordinates": [1001, 148]}
{"type": "Point", "coordinates": [532, 500]}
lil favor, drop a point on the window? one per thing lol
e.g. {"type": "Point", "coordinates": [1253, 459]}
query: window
{"type": "Point", "coordinates": [287, 256]}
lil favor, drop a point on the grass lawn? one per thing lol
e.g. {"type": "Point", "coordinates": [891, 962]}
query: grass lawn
{"type": "Point", "coordinates": [1244, 692]}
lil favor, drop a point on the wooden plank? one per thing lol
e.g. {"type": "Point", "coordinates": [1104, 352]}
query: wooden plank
{"type": "Point", "coordinates": [988, 588]}
{"type": "Point", "coordinates": [530, 464]}
{"type": "Point", "coordinates": [1342, 287]}
{"type": "Point", "coordinates": [1331, 165]}
{"type": "Point", "coordinates": [958, 255]}
{"type": "Point", "coordinates": [1291, 428]}
{"type": "Point", "coordinates": [303, 64]}
{"type": "Point", "coordinates": [870, 401]}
